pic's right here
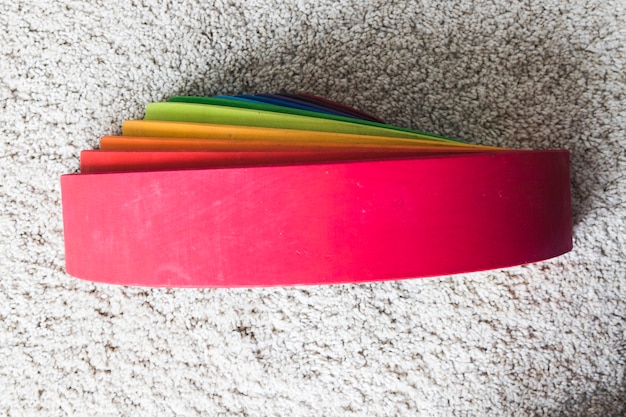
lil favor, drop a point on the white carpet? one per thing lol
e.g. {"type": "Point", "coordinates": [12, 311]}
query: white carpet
{"type": "Point", "coordinates": [546, 339]}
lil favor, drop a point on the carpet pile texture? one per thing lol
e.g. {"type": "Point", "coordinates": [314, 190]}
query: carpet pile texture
{"type": "Point", "coordinates": [544, 339]}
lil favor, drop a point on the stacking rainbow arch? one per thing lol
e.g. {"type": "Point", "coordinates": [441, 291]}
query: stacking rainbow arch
{"type": "Point", "coordinates": [239, 191]}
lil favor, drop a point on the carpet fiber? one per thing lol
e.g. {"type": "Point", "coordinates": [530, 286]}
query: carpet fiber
{"type": "Point", "coordinates": [545, 339]}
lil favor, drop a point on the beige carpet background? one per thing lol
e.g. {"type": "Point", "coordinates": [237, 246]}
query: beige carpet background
{"type": "Point", "coordinates": [546, 339]}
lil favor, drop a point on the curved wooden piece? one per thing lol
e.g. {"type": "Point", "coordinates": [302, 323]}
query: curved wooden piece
{"type": "Point", "coordinates": [318, 224]}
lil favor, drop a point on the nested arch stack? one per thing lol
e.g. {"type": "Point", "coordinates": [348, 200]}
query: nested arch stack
{"type": "Point", "coordinates": [232, 191]}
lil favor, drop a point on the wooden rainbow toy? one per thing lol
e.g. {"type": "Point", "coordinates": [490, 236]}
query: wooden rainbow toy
{"type": "Point", "coordinates": [298, 190]}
